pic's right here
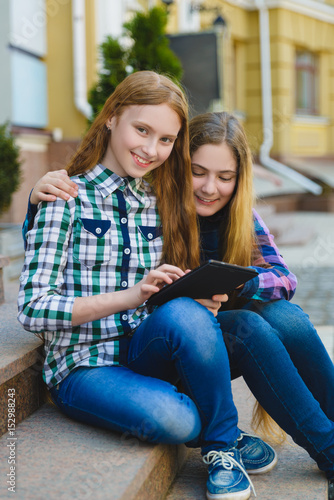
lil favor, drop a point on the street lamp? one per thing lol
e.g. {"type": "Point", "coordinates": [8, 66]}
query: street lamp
{"type": "Point", "coordinates": [219, 23]}
{"type": "Point", "coordinates": [220, 26]}
{"type": "Point", "coordinates": [168, 3]}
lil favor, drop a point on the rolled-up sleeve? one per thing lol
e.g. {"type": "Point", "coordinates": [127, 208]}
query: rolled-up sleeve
{"type": "Point", "coordinates": [274, 281]}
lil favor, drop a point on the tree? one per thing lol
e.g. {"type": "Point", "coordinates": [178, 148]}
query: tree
{"type": "Point", "coordinates": [149, 51]}
{"type": "Point", "coordinates": [10, 174]}
{"type": "Point", "coordinates": [112, 72]}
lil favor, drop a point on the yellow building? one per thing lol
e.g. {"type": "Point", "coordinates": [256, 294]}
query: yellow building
{"type": "Point", "coordinates": [300, 35]}
{"type": "Point", "coordinates": [48, 53]}
{"type": "Point", "coordinates": [275, 59]}
{"type": "Point", "coordinates": [278, 70]}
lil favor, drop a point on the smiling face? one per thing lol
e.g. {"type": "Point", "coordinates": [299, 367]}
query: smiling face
{"type": "Point", "coordinates": [214, 170]}
{"type": "Point", "coordinates": [142, 138]}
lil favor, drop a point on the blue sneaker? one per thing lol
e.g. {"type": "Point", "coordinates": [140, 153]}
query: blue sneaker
{"type": "Point", "coordinates": [228, 479]}
{"type": "Point", "coordinates": [257, 456]}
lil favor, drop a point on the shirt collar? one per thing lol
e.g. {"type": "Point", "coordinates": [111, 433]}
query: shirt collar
{"type": "Point", "coordinates": [140, 188]}
{"type": "Point", "coordinates": [107, 182]}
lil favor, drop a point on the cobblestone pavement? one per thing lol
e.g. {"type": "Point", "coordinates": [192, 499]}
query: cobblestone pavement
{"type": "Point", "coordinates": [311, 258]}
{"type": "Point", "coordinates": [315, 293]}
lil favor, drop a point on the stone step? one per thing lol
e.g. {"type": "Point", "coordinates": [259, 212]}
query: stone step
{"type": "Point", "coordinates": [284, 227]}
{"type": "Point", "coordinates": [21, 362]}
{"type": "Point", "coordinates": [56, 457]}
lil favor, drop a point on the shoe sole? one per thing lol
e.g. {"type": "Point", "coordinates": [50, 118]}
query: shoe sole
{"type": "Point", "coordinates": [238, 495]}
{"type": "Point", "coordinates": [265, 469]}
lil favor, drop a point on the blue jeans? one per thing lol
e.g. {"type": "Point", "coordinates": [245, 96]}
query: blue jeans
{"type": "Point", "coordinates": [179, 341]}
{"type": "Point", "coordinates": [277, 350]}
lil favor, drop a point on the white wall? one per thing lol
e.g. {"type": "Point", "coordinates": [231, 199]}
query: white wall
{"type": "Point", "coordinates": [110, 18]}
{"type": "Point", "coordinates": [189, 20]}
{"type": "Point", "coordinates": [28, 20]}
{"type": "Point", "coordinates": [5, 80]}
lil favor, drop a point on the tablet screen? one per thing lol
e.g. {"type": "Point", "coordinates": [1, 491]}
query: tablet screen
{"type": "Point", "coordinates": [211, 278]}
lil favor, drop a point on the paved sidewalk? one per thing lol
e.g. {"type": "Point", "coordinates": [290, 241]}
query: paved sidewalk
{"type": "Point", "coordinates": [296, 476]}
{"type": "Point", "coordinates": [312, 262]}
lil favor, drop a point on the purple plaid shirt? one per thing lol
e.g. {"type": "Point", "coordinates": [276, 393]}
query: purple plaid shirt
{"type": "Point", "coordinates": [274, 281]}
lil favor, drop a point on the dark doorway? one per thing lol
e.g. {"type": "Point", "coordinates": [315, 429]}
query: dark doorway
{"type": "Point", "coordinates": [198, 55]}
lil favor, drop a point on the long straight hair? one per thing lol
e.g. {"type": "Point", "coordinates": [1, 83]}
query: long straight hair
{"type": "Point", "coordinates": [238, 243]}
{"type": "Point", "coordinates": [171, 181]}
{"type": "Point", "coordinates": [218, 128]}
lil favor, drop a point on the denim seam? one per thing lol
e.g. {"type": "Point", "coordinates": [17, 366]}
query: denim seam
{"type": "Point", "coordinates": [146, 346]}
{"type": "Point", "coordinates": [73, 406]}
{"type": "Point", "coordinates": [90, 413]}
{"type": "Point", "coordinates": [176, 357]}
{"type": "Point", "coordinates": [191, 395]}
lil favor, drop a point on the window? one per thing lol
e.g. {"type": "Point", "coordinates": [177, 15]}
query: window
{"type": "Point", "coordinates": [306, 83]}
{"type": "Point", "coordinates": [27, 34]}
{"type": "Point", "coordinates": [29, 90]}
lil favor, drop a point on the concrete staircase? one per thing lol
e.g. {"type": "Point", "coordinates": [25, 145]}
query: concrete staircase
{"type": "Point", "coordinates": [55, 457]}
{"type": "Point", "coordinates": [284, 226]}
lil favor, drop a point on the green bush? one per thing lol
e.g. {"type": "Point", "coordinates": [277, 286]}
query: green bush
{"type": "Point", "coordinates": [149, 50]}
{"type": "Point", "coordinates": [113, 72]}
{"type": "Point", "coordinates": [10, 174]}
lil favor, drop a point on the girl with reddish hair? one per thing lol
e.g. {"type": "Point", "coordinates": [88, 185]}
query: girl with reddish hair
{"type": "Point", "coordinates": [92, 260]}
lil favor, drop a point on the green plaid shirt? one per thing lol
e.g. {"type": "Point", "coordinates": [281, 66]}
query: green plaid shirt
{"type": "Point", "coordinates": [104, 240]}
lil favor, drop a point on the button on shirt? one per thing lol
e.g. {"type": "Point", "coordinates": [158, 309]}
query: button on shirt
{"type": "Point", "coordinates": [103, 241]}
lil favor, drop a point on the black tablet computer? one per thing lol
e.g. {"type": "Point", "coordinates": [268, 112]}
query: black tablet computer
{"type": "Point", "coordinates": [211, 278]}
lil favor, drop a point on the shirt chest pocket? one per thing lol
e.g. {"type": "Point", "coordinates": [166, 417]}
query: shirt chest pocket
{"type": "Point", "coordinates": [150, 246]}
{"type": "Point", "coordinates": [92, 242]}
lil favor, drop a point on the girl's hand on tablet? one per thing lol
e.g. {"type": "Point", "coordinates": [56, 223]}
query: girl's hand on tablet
{"type": "Point", "coordinates": [213, 304]}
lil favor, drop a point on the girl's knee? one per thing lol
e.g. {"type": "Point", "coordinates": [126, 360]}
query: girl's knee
{"type": "Point", "coordinates": [190, 329]}
{"type": "Point", "coordinates": [244, 325]}
{"type": "Point", "coordinates": [246, 331]}
{"type": "Point", "coordinates": [290, 321]}
{"type": "Point", "coordinates": [184, 310]}
{"type": "Point", "coordinates": [173, 421]}
{"type": "Point", "coordinates": [189, 319]}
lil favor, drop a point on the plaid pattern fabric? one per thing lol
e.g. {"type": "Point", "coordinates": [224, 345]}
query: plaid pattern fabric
{"type": "Point", "coordinates": [28, 221]}
{"type": "Point", "coordinates": [274, 281]}
{"type": "Point", "coordinates": [104, 240]}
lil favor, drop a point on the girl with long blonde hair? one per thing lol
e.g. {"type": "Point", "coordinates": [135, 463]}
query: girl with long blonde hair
{"type": "Point", "coordinates": [270, 341]}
